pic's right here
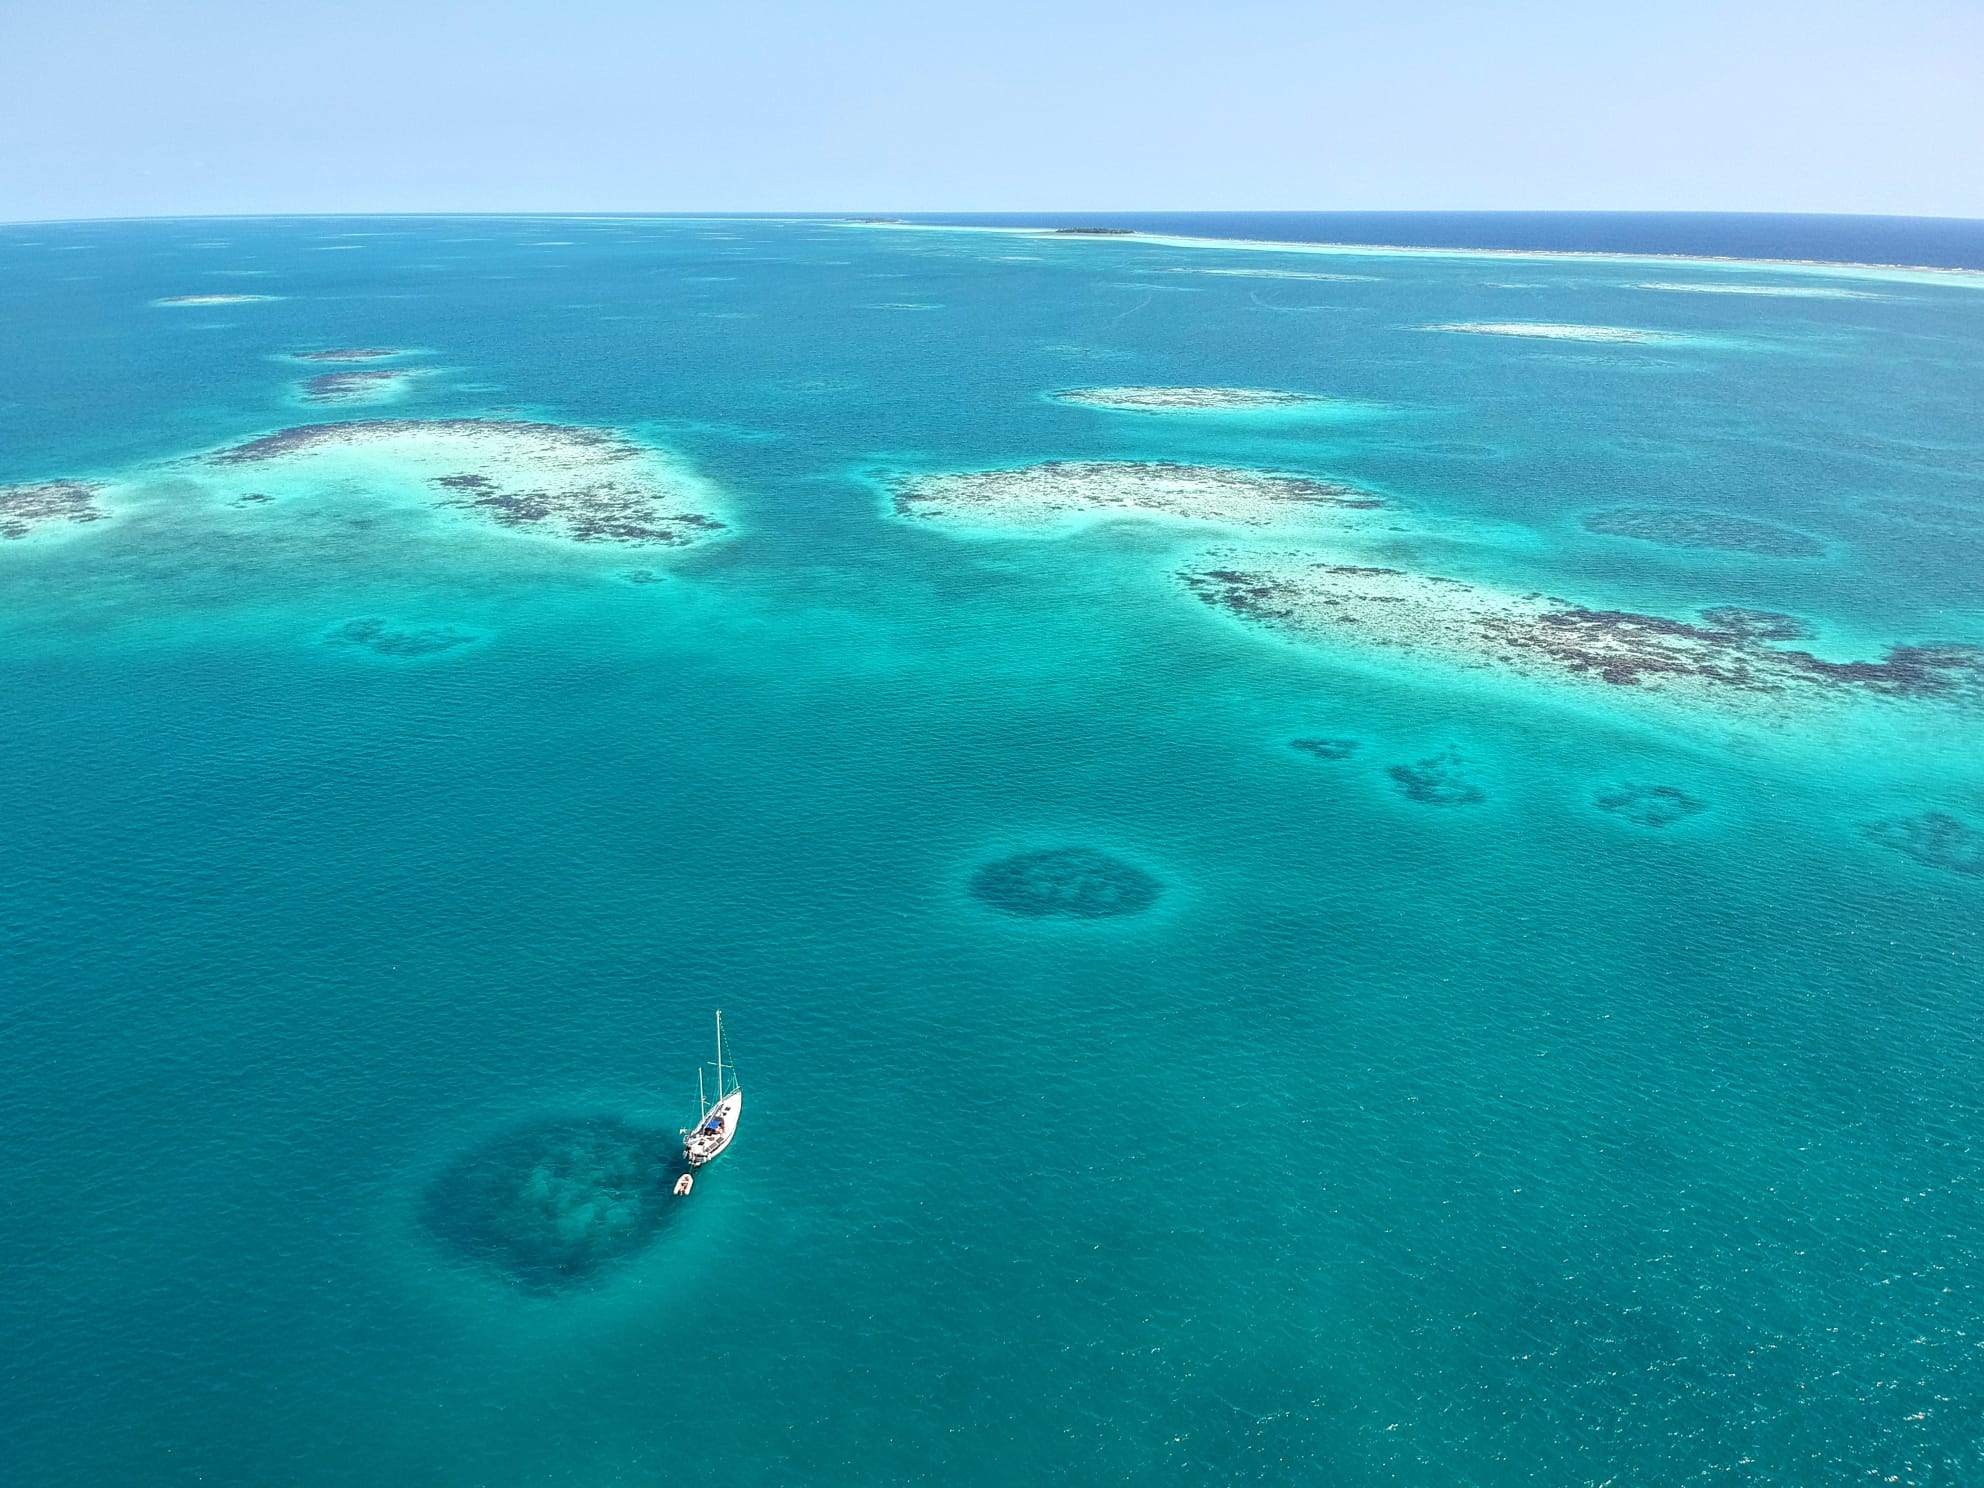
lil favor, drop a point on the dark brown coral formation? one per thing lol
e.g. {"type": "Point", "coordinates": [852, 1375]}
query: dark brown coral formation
{"type": "Point", "coordinates": [1625, 649]}
{"type": "Point", "coordinates": [347, 387]}
{"type": "Point", "coordinates": [603, 511]}
{"type": "Point", "coordinates": [24, 508]}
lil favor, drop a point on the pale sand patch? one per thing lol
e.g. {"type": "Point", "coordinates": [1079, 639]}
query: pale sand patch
{"type": "Point", "coordinates": [1062, 492]}
{"type": "Point", "coordinates": [1891, 273]}
{"type": "Point", "coordinates": [348, 354]}
{"type": "Point", "coordinates": [1552, 331]}
{"type": "Point", "coordinates": [1186, 399]}
{"type": "Point", "coordinates": [1280, 274]}
{"type": "Point", "coordinates": [565, 481]}
{"type": "Point", "coordinates": [1726, 658]}
{"type": "Point", "coordinates": [1786, 291]}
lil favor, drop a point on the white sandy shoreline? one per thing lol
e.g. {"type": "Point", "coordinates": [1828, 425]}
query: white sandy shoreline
{"type": "Point", "coordinates": [1893, 273]}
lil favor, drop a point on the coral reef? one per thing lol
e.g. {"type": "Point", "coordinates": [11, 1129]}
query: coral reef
{"type": "Point", "coordinates": [25, 508]}
{"type": "Point", "coordinates": [1726, 660]}
{"type": "Point", "coordinates": [1678, 527]}
{"type": "Point", "coordinates": [1438, 780]}
{"type": "Point", "coordinates": [399, 642]}
{"type": "Point", "coordinates": [551, 1205]}
{"type": "Point", "coordinates": [1648, 805]}
{"type": "Point", "coordinates": [1935, 839]}
{"type": "Point", "coordinates": [377, 385]}
{"type": "Point", "coordinates": [1327, 749]}
{"type": "Point", "coordinates": [582, 484]}
{"type": "Point", "coordinates": [1060, 490]}
{"type": "Point", "coordinates": [1076, 883]}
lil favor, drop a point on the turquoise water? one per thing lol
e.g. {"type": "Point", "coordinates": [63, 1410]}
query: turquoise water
{"type": "Point", "coordinates": [1389, 1142]}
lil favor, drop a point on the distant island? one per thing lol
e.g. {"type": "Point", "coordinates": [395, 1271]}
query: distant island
{"type": "Point", "coordinates": [1099, 232]}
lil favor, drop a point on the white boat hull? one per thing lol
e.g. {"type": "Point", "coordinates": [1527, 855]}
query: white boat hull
{"type": "Point", "coordinates": [714, 1132]}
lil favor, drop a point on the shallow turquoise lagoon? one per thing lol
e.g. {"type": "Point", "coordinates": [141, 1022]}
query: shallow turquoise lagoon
{"type": "Point", "coordinates": [1541, 1083]}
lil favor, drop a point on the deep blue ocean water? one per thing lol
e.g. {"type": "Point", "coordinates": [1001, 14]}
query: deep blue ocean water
{"type": "Point", "coordinates": [1502, 1144]}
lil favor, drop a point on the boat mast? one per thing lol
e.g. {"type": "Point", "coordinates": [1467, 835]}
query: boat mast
{"type": "Point", "coordinates": [719, 1055]}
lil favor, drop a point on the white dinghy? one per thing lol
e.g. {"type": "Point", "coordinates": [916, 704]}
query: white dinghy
{"type": "Point", "coordinates": [716, 1127]}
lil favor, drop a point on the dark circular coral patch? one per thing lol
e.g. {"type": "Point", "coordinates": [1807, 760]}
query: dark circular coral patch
{"type": "Point", "coordinates": [550, 1205]}
{"type": "Point", "coordinates": [1071, 883]}
{"type": "Point", "coordinates": [1648, 805]}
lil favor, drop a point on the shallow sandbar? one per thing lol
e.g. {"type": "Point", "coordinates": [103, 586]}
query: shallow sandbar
{"type": "Point", "coordinates": [1726, 657]}
{"type": "Point", "coordinates": [1060, 491]}
{"type": "Point", "coordinates": [1552, 331]}
{"type": "Point", "coordinates": [559, 480]}
{"type": "Point", "coordinates": [1188, 399]}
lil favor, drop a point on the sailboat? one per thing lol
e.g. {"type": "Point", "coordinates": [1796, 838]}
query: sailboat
{"type": "Point", "coordinates": [718, 1123]}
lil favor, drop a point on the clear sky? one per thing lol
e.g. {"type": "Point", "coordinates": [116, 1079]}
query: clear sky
{"type": "Point", "coordinates": [151, 107]}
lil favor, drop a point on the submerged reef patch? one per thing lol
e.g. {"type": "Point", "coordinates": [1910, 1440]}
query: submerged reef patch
{"type": "Point", "coordinates": [399, 642]}
{"type": "Point", "coordinates": [1648, 805]}
{"type": "Point", "coordinates": [1727, 659]}
{"type": "Point", "coordinates": [371, 386]}
{"type": "Point", "coordinates": [550, 1205]}
{"type": "Point", "coordinates": [1680, 527]}
{"type": "Point", "coordinates": [1187, 399]}
{"type": "Point", "coordinates": [1552, 331]}
{"type": "Point", "coordinates": [1070, 883]}
{"type": "Point", "coordinates": [1756, 625]}
{"type": "Point", "coordinates": [1060, 490]}
{"type": "Point", "coordinates": [1327, 749]}
{"type": "Point", "coordinates": [1935, 839]}
{"type": "Point", "coordinates": [1438, 780]}
{"type": "Point", "coordinates": [348, 354]}
{"type": "Point", "coordinates": [581, 484]}
{"type": "Point", "coordinates": [25, 508]}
